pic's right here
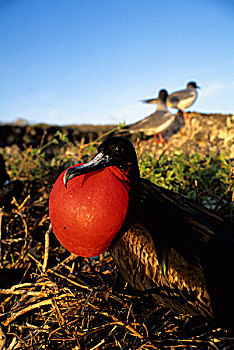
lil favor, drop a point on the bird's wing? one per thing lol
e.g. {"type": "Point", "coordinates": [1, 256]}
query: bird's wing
{"type": "Point", "coordinates": [179, 223]}
{"type": "Point", "coordinates": [139, 123]}
{"type": "Point", "coordinates": [154, 120]}
{"type": "Point", "coordinates": [178, 96]}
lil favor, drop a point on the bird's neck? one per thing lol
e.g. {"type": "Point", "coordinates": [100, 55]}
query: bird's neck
{"type": "Point", "coordinates": [128, 175]}
{"type": "Point", "coordinates": [190, 88]}
{"type": "Point", "coordinates": [161, 106]}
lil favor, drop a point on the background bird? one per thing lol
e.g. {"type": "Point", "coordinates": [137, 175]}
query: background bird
{"type": "Point", "coordinates": [184, 98]}
{"type": "Point", "coordinates": [168, 246]}
{"type": "Point", "coordinates": [156, 122]}
{"type": "Point", "coordinates": [180, 99]}
{"type": "Point", "coordinates": [8, 189]}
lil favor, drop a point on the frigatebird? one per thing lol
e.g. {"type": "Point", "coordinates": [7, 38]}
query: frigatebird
{"type": "Point", "coordinates": [167, 245]}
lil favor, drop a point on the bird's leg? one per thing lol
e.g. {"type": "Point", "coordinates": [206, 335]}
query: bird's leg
{"type": "Point", "coordinates": [161, 139]}
{"type": "Point", "coordinates": [155, 139]}
{"type": "Point", "coordinates": [184, 115]}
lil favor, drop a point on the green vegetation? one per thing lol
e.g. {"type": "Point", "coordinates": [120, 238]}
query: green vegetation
{"type": "Point", "coordinates": [51, 300]}
{"type": "Point", "coordinates": [207, 180]}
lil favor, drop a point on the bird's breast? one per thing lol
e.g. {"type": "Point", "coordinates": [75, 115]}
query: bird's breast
{"type": "Point", "coordinates": [183, 289]}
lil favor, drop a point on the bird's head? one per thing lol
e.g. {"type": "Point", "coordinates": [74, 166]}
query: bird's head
{"type": "Point", "coordinates": [163, 95]}
{"type": "Point", "coordinates": [88, 212]}
{"type": "Point", "coordinates": [114, 151]}
{"type": "Point", "coordinates": [193, 85]}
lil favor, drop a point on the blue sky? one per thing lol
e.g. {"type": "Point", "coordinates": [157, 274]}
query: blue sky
{"type": "Point", "coordinates": [91, 61]}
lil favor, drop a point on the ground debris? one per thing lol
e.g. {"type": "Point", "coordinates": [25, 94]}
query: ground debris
{"type": "Point", "coordinates": [53, 300]}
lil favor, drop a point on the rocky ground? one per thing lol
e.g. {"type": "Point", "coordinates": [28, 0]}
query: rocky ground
{"type": "Point", "coordinates": [203, 133]}
{"type": "Point", "coordinates": [50, 300]}
{"type": "Point", "coordinates": [33, 135]}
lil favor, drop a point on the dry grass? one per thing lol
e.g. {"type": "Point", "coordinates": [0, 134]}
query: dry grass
{"type": "Point", "coordinates": [53, 300]}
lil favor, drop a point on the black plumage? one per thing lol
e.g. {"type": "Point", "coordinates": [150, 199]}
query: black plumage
{"type": "Point", "coordinates": [170, 247]}
{"type": "Point", "coordinates": [8, 189]}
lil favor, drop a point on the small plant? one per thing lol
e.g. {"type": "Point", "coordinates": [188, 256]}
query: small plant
{"type": "Point", "coordinates": [209, 181]}
{"type": "Point", "coordinates": [48, 303]}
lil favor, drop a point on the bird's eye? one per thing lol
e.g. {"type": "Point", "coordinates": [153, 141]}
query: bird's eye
{"type": "Point", "coordinates": [118, 149]}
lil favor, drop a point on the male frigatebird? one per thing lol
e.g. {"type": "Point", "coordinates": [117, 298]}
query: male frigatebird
{"type": "Point", "coordinates": [162, 242]}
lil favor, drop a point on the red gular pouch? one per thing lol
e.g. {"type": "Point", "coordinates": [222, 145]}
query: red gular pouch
{"type": "Point", "coordinates": [88, 214]}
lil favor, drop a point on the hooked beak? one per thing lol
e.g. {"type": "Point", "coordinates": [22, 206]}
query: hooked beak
{"type": "Point", "coordinates": [100, 161]}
